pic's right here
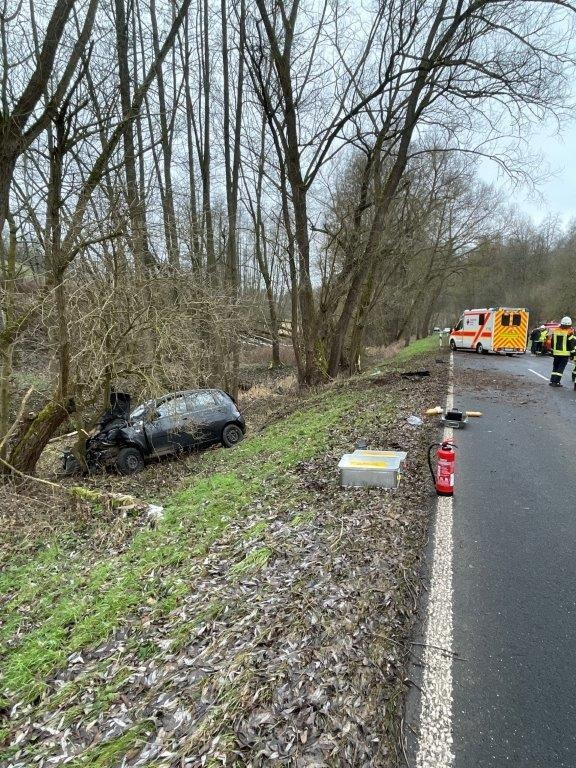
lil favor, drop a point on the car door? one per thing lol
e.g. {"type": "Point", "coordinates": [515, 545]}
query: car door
{"type": "Point", "coordinates": [204, 416]}
{"type": "Point", "coordinates": [166, 431]}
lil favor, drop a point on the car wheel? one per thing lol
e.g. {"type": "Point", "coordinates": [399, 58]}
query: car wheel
{"type": "Point", "coordinates": [452, 345]}
{"type": "Point", "coordinates": [129, 461]}
{"type": "Point", "coordinates": [479, 348]}
{"type": "Point", "coordinates": [231, 435]}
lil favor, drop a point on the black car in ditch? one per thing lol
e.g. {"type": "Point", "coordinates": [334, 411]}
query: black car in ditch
{"type": "Point", "coordinates": [170, 424]}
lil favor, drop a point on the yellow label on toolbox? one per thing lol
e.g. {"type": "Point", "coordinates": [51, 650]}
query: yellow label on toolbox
{"type": "Point", "coordinates": [368, 464]}
{"type": "Point", "coordinates": [377, 454]}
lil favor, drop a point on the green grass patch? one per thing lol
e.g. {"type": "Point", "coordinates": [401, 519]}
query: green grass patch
{"type": "Point", "coordinates": [184, 631]}
{"type": "Point", "coordinates": [255, 531]}
{"type": "Point", "coordinates": [109, 754]}
{"type": "Point", "coordinates": [302, 518]}
{"type": "Point", "coordinates": [253, 561]}
{"type": "Point", "coordinates": [415, 349]}
{"type": "Point", "coordinates": [406, 356]}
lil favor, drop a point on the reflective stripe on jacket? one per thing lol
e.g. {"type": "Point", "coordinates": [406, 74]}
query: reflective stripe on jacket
{"type": "Point", "coordinates": [563, 342]}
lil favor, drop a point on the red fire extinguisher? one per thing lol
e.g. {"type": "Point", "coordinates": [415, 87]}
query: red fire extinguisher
{"type": "Point", "coordinates": [446, 464]}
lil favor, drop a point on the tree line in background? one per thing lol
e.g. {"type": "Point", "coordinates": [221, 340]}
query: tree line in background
{"type": "Point", "coordinates": [173, 176]}
{"type": "Point", "coordinates": [523, 265]}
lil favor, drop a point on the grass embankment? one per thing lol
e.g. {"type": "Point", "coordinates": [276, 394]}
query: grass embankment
{"type": "Point", "coordinates": [63, 601]}
{"type": "Point", "coordinates": [417, 349]}
{"type": "Point", "coordinates": [59, 608]}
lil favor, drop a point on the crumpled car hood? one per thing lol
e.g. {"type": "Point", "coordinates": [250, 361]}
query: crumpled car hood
{"type": "Point", "coordinates": [119, 405]}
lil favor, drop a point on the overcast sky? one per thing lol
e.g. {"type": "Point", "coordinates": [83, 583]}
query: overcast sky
{"type": "Point", "coordinates": [557, 191]}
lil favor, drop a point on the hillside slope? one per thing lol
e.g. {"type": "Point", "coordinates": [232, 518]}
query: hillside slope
{"type": "Point", "coordinates": [262, 622]}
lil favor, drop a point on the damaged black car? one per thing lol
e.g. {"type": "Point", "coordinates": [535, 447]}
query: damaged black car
{"type": "Point", "coordinates": [179, 421]}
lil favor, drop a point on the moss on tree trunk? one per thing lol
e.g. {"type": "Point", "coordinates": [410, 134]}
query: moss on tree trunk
{"type": "Point", "coordinates": [35, 436]}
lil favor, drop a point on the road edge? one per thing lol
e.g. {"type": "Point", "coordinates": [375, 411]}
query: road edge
{"type": "Point", "coordinates": [434, 748]}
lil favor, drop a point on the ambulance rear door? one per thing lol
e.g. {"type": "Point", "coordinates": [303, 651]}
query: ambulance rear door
{"type": "Point", "coordinates": [510, 331]}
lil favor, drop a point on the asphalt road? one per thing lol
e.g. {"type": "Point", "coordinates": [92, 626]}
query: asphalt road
{"type": "Point", "coordinates": [514, 566]}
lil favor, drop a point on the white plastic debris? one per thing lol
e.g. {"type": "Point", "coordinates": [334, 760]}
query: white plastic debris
{"type": "Point", "coordinates": [155, 512]}
{"type": "Point", "coordinates": [414, 421]}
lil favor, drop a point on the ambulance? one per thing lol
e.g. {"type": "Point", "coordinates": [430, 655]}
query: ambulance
{"type": "Point", "coordinates": [497, 329]}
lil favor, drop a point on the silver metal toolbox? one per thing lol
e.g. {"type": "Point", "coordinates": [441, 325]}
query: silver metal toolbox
{"type": "Point", "coordinates": [371, 469]}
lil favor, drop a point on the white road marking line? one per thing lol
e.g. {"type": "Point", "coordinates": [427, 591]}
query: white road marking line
{"type": "Point", "coordinates": [435, 740]}
{"type": "Point", "coordinates": [538, 374]}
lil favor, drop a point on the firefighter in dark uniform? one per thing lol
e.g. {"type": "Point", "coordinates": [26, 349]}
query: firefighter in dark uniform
{"type": "Point", "coordinates": [563, 347]}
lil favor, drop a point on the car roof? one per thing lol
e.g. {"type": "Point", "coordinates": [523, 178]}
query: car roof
{"type": "Point", "coordinates": [181, 392]}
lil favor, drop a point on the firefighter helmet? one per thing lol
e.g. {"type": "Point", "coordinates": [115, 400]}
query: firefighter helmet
{"type": "Point", "coordinates": [566, 321]}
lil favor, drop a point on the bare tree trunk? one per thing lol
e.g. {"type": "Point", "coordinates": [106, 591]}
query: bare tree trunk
{"type": "Point", "coordinates": [205, 160]}
{"type": "Point", "coordinates": [195, 234]}
{"type": "Point", "coordinates": [261, 253]}
{"type": "Point", "coordinates": [143, 258]}
{"type": "Point", "coordinates": [137, 33]}
{"type": "Point", "coordinates": [232, 163]}
{"type": "Point", "coordinates": [170, 230]}
{"type": "Point", "coordinates": [356, 345]}
{"type": "Point", "coordinates": [8, 158]}
{"type": "Point", "coordinates": [261, 249]}
{"type": "Point", "coordinates": [263, 84]}
{"type": "Point", "coordinates": [314, 359]}
{"type": "Point", "coordinates": [32, 440]}
{"type": "Point", "coordinates": [372, 246]}
{"type": "Point", "coordinates": [54, 259]}
{"type": "Point", "coordinates": [36, 434]}
{"type": "Point", "coordinates": [334, 333]}
{"type": "Point", "coordinates": [426, 320]}
{"type": "Point", "coordinates": [294, 284]}
{"type": "Point", "coordinates": [8, 326]}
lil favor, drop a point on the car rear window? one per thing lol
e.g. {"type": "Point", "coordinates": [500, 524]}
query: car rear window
{"type": "Point", "coordinates": [516, 320]}
{"type": "Point", "coordinates": [221, 397]}
{"type": "Point", "coordinates": [505, 319]}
